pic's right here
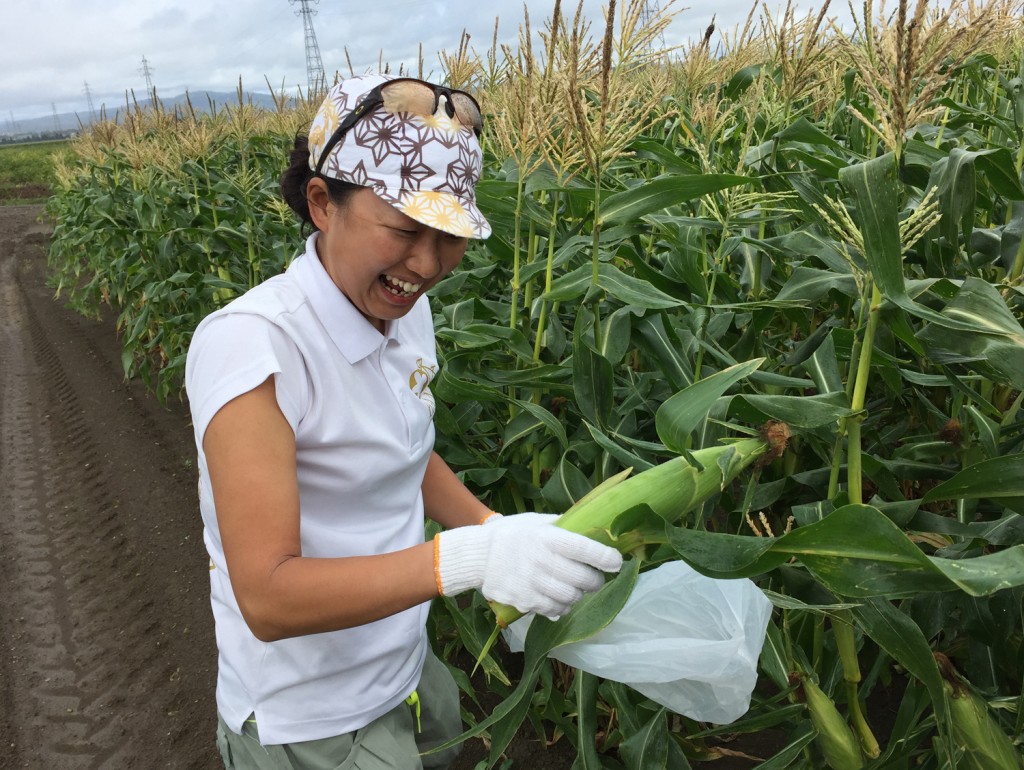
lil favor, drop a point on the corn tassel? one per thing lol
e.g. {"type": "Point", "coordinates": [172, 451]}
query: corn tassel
{"type": "Point", "coordinates": [835, 738]}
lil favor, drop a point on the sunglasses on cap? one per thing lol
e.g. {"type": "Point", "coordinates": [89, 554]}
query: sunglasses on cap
{"type": "Point", "coordinates": [409, 95]}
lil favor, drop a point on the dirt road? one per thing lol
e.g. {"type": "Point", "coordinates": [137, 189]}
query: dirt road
{"type": "Point", "coordinates": [107, 656]}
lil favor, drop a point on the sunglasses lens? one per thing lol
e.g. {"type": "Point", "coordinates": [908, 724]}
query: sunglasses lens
{"type": "Point", "coordinates": [408, 96]}
{"type": "Point", "coordinates": [420, 98]}
{"type": "Point", "coordinates": [467, 111]}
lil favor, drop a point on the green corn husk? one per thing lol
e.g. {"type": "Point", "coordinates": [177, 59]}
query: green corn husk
{"type": "Point", "coordinates": [671, 490]}
{"type": "Point", "coordinates": [835, 738]}
{"type": "Point", "coordinates": [985, 745]}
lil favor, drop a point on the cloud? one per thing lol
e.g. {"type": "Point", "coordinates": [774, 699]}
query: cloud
{"type": "Point", "coordinates": [49, 49]}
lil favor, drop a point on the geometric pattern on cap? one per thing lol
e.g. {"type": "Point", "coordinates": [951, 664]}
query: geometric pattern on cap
{"type": "Point", "coordinates": [398, 154]}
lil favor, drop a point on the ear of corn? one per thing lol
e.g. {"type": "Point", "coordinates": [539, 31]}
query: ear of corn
{"type": "Point", "coordinates": [835, 738]}
{"type": "Point", "coordinates": [985, 744]}
{"type": "Point", "coordinates": [670, 489]}
{"type": "Point", "coordinates": [603, 487]}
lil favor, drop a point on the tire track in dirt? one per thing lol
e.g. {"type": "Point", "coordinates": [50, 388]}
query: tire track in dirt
{"type": "Point", "coordinates": [100, 667]}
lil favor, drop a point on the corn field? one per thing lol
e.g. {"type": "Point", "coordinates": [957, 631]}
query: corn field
{"type": "Point", "coordinates": [792, 223]}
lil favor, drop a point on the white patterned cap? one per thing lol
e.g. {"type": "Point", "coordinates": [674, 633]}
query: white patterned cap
{"type": "Point", "coordinates": [426, 166]}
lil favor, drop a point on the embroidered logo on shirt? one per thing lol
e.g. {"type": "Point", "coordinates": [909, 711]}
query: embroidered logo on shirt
{"type": "Point", "coordinates": [419, 383]}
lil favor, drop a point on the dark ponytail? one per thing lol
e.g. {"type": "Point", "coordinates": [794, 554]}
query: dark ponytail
{"type": "Point", "coordinates": [296, 177]}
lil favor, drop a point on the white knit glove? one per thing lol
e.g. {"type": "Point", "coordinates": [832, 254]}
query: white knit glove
{"type": "Point", "coordinates": [524, 561]}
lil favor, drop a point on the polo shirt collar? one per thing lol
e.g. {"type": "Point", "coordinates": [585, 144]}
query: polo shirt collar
{"type": "Point", "coordinates": [351, 333]}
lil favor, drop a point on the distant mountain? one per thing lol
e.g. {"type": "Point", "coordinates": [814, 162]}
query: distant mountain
{"type": "Point", "coordinates": [70, 121]}
{"type": "Point", "coordinates": [202, 100]}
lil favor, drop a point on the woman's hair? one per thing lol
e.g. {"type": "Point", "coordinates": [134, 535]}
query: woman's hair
{"type": "Point", "coordinates": [296, 177]}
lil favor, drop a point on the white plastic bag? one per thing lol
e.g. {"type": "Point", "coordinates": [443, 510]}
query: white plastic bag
{"type": "Point", "coordinates": [686, 641]}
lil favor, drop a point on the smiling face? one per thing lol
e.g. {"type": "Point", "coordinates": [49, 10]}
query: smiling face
{"type": "Point", "coordinates": [381, 259]}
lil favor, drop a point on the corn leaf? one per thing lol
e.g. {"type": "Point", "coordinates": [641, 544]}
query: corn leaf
{"type": "Point", "coordinates": [633, 291]}
{"type": "Point", "coordinates": [647, 749]}
{"type": "Point", "coordinates": [796, 411]}
{"type": "Point", "coordinates": [774, 661]}
{"type": "Point", "coordinates": [566, 486]}
{"type": "Point", "coordinates": [585, 691]}
{"type": "Point", "coordinates": [624, 456]}
{"type": "Point", "coordinates": [874, 187]}
{"type": "Point", "coordinates": [823, 367]}
{"type": "Point", "coordinates": [957, 184]}
{"type": "Point", "coordinates": [591, 380]}
{"type": "Point", "coordinates": [659, 194]}
{"type": "Point", "coordinates": [665, 156]}
{"type": "Point", "coordinates": [680, 415]}
{"type": "Point", "coordinates": [527, 422]}
{"type": "Point", "coordinates": [803, 131]}
{"type": "Point", "coordinates": [662, 344]}
{"type": "Point", "coordinates": [589, 616]}
{"type": "Point", "coordinates": [812, 246]}
{"type": "Point", "coordinates": [900, 636]}
{"type": "Point", "coordinates": [998, 166]}
{"type": "Point", "coordinates": [741, 81]}
{"type": "Point", "coordinates": [1000, 478]}
{"type": "Point", "coordinates": [993, 336]}
{"type": "Point", "coordinates": [811, 284]}
{"type": "Point", "coordinates": [789, 753]}
{"type": "Point", "coordinates": [856, 551]}
{"type": "Point", "coordinates": [458, 390]}
{"type": "Point", "coordinates": [475, 639]}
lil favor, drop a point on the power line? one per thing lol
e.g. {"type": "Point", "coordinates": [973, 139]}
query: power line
{"type": "Point", "coordinates": [314, 66]}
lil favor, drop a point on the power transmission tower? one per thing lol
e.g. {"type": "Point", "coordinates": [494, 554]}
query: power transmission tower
{"type": "Point", "coordinates": [56, 117]}
{"type": "Point", "coordinates": [15, 128]}
{"type": "Point", "coordinates": [314, 66]}
{"type": "Point", "coordinates": [88, 99]}
{"type": "Point", "coordinates": [649, 13]}
{"type": "Point", "coordinates": [147, 72]}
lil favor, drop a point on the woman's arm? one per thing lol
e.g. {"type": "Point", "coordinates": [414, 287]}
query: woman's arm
{"type": "Point", "coordinates": [446, 500]}
{"type": "Point", "coordinates": [250, 452]}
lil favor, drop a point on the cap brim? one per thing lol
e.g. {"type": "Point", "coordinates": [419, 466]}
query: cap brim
{"type": "Point", "coordinates": [441, 210]}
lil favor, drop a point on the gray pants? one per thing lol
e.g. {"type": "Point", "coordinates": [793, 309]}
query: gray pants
{"type": "Point", "coordinates": [391, 742]}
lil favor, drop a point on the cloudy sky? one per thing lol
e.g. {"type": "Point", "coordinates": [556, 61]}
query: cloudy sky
{"type": "Point", "coordinates": [50, 49]}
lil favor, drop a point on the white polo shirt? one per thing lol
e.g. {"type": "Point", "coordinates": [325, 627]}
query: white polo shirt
{"type": "Point", "coordinates": [360, 405]}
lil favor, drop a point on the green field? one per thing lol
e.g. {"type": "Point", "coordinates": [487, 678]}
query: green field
{"type": "Point", "coordinates": [26, 171]}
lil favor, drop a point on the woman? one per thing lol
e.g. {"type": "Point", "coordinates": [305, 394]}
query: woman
{"type": "Point", "coordinates": [313, 421]}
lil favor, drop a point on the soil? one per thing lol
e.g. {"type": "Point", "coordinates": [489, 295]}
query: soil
{"type": "Point", "coordinates": [27, 193]}
{"type": "Point", "coordinates": [107, 653]}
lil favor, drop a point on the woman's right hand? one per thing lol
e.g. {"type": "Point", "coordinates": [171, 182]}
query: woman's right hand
{"type": "Point", "coordinates": [523, 560]}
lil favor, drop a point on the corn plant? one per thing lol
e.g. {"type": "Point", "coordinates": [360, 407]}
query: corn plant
{"type": "Point", "coordinates": [166, 216]}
